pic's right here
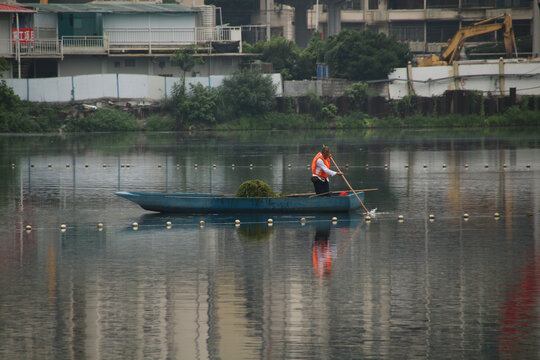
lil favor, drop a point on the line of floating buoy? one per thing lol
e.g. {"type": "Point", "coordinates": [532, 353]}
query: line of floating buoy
{"type": "Point", "coordinates": [251, 166]}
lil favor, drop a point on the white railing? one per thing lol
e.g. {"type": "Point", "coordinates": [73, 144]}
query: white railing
{"type": "Point", "coordinates": [38, 47]}
{"type": "Point", "coordinates": [124, 39]}
{"type": "Point", "coordinates": [83, 42]}
{"type": "Point", "coordinates": [151, 37]}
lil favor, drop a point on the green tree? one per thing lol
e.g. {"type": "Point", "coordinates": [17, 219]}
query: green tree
{"type": "Point", "coordinates": [364, 55]}
{"type": "Point", "coordinates": [185, 58]}
{"type": "Point", "coordinates": [247, 93]}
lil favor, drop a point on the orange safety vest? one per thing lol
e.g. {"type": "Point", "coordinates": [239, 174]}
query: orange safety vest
{"type": "Point", "coordinates": [321, 173]}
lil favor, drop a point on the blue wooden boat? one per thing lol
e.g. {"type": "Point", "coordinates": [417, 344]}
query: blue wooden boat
{"type": "Point", "coordinates": [208, 203]}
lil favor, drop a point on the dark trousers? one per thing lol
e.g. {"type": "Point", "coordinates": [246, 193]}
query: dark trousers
{"type": "Point", "coordinates": [321, 186]}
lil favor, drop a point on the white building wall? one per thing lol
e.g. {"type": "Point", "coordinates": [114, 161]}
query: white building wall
{"type": "Point", "coordinates": [149, 21]}
{"type": "Point", "coordinates": [113, 86]}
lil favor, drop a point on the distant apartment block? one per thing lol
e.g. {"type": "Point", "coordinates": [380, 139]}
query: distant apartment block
{"type": "Point", "coordinates": [60, 39]}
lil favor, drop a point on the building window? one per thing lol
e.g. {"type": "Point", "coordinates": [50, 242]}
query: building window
{"type": "Point", "coordinates": [441, 31]}
{"type": "Point", "coordinates": [353, 5]}
{"type": "Point", "coordinates": [129, 63]}
{"type": "Point", "coordinates": [407, 30]}
{"type": "Point", "coordinates": [478, 3]}
{"type": "Point", "coordinates": [405, 4]}
{"type": "Point", "coordinates": [117, 64]}
{"type": "Point", "coordinates": [373, 4]}
{"type": "Point", "coordinates": [442, 4]}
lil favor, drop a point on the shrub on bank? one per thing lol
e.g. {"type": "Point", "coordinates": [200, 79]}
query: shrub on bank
{"type": "Point", "coordinates": [160, 123]}
{"type": "Point", "coordinates": [103, 120]}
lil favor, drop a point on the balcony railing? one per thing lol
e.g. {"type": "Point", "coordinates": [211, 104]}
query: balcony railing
{"type": "Point", "coordinates": [83, 44]}
{"type": "Point", "coordinates": [122, 39]}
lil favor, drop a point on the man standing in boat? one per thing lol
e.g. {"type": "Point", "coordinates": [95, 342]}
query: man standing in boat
{"type": "Point", "coordinates": [320, 171]}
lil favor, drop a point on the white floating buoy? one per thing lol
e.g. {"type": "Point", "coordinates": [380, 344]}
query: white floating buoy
{"type": "Point", "coordinates": [50, 165]}
{"type": "Point", "coordinates": [177, 166]}
{"type": "Point", "coordinates": [367, 165]}
{"type": "Point", "coordinates": [85, 165]}
{"type": "Point", "coordinates": [466, 165]}
{"type": "Point", "coordinates": [497, 215]}
{"type": "Point", "coordinates": [128, 165]}
{"type": "Point", "coordinates": [159, 165]}
{"type": "Point", "coordinates": [486, 166]}
{"type": "Point", "coordinates": [214, 166]}
{"type": "Point", "coordinates": [444, 166]}
{"type": "Point", "coordinates": [346, 166]}
{"type": "Point", "coordinates": [303, 220]}
{"type": "Point", "coordinates": [31, 165]}
{"type": "Point", "coordinates": [466, 217]}
{"type": "Point", "coordinates": [63, 227]}
{"type": "Point", "coordinates": [504, 166]}
{"type": "Point", "coordinates": [233, 166]}
{"type": "Point", "coordinates": [196, 165]}
{"type": "Point", "coordinates": [431, 216]}
{"type": "Point", "coordinates": [201, 223]}
{"type": "Point", "coordinates": [168, 224]}
{"type": "Point", "coordinates": [528, 166]}
{"type": "Point", "coordinates": [400, 218]}
{"type": "Point", "coordinates": [135, 226]}
{"type": "Point", "coordinates": [67, 165]}
{"type": "Point", "coordinates": [237, 222]}
{"type": "Point", "coordinates": [270, 165]}
{"type": "Point", "coordinates": [425, 166]}
{"type": "Point", "coordinates": [334, 219]}
{"type": "Point", "coordinates": [368, 218]}
{"type": "Point", "coordinates": [270, 222]}
{"type": "Point", "coordinates": [104, 165]}
{"type": "Point", "coordinates": [28, 228]}
{"type": "Point", "coordinates": [13, 166]}
{"type": "Point", "coordinates": [122, 165]}
{"type": "Point", "coordinates": [406, 166]}
{"type": "Point", "coordinates": [100, 226]}
{"type": "Point", "coordinates": [289, 166]}
{"type": "Point", "coordinates": [251, 166]}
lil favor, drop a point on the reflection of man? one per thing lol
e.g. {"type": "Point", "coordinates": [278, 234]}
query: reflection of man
{"type": "Point", "coordinates": [320, 169]}
{"type": "Point", "coordinates": [322, 255]}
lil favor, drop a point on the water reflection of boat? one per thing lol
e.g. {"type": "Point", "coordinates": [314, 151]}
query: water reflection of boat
{"type": "Point", "coordinates": [207, 203]}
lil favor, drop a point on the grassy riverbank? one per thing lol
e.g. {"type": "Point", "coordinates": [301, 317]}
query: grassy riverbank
{"type": "Point", "coordinates": [204, 110]}
{"type": "Point", "coordinates": [41, 118]}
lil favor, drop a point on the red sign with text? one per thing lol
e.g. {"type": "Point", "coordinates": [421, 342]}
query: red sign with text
{"type": "Point", "coordinates": [25, 35]}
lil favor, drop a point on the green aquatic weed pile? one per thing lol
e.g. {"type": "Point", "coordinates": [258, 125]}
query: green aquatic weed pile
{"type": "Point", "coordinates": [255, 188]}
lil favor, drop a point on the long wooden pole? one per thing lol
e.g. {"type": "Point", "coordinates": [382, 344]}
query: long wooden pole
{"type": "Point", "coordinates": [349, 185]}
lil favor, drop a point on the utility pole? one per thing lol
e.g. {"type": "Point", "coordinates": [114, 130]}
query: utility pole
{"type": "Point", "coordinates": [536, 29]}
{"type": "Point", "coordinates": [267, 20]}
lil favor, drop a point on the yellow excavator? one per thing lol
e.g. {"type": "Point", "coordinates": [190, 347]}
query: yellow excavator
{"type": "Point", "coordinates": [452, 50]}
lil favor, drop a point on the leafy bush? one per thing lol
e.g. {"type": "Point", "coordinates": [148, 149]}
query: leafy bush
{"type": "Point", "coordinates": [104, 120]}
{"type": "Point", "coordinates": [159, 123]}
{"type": "Point", "coordinates": [364, 55]}
{"type": "Point", "coordinates": [255, 188]}
{"type": "Point", "coordinates": [246, 93]}
{"type": "Point", "coordinates": [358, 94]}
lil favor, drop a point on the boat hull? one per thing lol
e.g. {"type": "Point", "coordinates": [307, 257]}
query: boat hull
{"type": "Point", "coordinates": [206, 203]}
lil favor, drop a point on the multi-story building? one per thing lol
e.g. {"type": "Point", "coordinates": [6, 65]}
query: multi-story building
{"type": "Point", "coordinates": [49, 40]}
{"type": "Point", "coordinates": [426, 25]}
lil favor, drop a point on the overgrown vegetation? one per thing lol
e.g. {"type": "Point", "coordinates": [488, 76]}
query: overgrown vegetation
{"type": "Point", "coordinates": [352, 54]}
{"type": "Point", "coordinates": [103, 120]}
{"type": "Point", "coordinates": [256, 189]}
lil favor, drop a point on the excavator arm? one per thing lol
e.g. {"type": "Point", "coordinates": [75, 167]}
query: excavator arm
{"type": "Point", "coordinates": [455, 45]}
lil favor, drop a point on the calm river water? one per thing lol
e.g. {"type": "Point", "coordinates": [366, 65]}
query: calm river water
{"type": "Point", "coordinates": [444, 286]}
